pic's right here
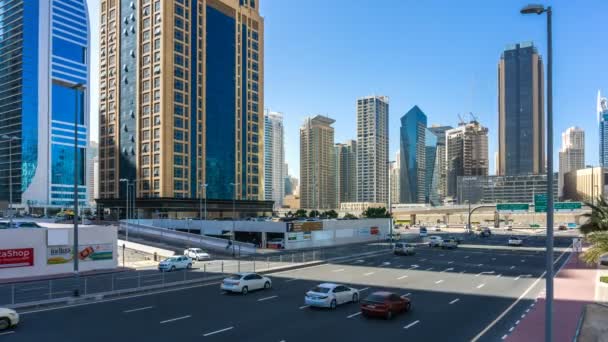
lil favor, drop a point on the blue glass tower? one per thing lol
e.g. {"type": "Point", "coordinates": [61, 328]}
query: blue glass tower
{"type": "Point", "coordinates": [413, 156]}
{"type": "Point", "coordinates": [602, 116]}
{"type": "Point", "coordinates": [45, 75]}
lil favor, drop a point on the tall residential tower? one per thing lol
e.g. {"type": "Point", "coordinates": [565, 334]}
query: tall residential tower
{"type": "Point", "coordinates": [413, 156]}
{"type": "Point", "coordinates": [572, 154]}
{"type": "Point", "coordinates": [274, 158]}
{"type": "Point", "coordinates": [467, 153]}
{"type": "Point", "coordinates": [602, 118]}
{"type": "Point", "coordinates": [346, 171]}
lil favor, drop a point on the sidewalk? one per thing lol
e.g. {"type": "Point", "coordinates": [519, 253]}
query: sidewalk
{"type": "Point", "coordinates": [574, 287]}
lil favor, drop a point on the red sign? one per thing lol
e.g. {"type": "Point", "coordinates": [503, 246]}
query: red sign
{"type": "Point", "coordinates": [374, 230]}
{"type": "Point", "coordinates": [20, 257]}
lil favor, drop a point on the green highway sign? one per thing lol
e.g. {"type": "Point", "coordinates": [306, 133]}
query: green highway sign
{"type": "Point", "coordinates": [513, 207]}
{"type": "Point", "coordinates": [568, 206]}
{"type": "Point", "coordinates": [540, 203]}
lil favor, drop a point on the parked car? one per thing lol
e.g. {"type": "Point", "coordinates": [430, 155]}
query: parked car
{"type": "Point", "coordinates": [485, 232]}
{"type": "Point", "coordinates": [384, 304]}
{"type": "Point", "coordinates": [449, 243]}
{"type": "Point", "coordinates": [329, 295]}
{"type": "Point", "coordinates": [423, 232]}
{"type": "Point", "coordinates": [276, 243]}
{"type": "Point", "coordinates": [175, 263]}
{"type": "Point", "coordinates": [8, 318]}
{"type": "Point", "coordinates": [244, 282]}
{"type": "Point", "coordinates": [515, 241]}
{"type": "Point", "coordinates": [435, 241]}
{"type": "Point", "coordinates": [196, 254]}
{"type": "Point", "coordinates": [563, 226]}
{"type": "Point", "coordinates": [404, 249]}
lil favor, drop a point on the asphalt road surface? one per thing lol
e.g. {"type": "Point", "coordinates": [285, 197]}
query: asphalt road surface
{"type": "Point", "coordinates": [475, 291]}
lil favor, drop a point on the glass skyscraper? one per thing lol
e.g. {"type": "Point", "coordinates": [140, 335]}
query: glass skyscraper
{"type": "Point", "coordinates": [413, 156]}
{"type": "Point", "coordinates": [44, 73]}
{"type": "Point", "coordinates": [602, 117]}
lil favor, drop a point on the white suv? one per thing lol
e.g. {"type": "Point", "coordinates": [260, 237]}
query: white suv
{"type": "Point", "coordinates": [330, 295]}
{"type": "Point", "coordinates": [8, 318]}
{"type": "Point", "coordinates": [245, 282]}
{"type": "Point", "coordinates": [175, 263]}
{"type": "Point", "coordinates": [435, 241]}
{"type": "Point", "coordinates": [196, 254]}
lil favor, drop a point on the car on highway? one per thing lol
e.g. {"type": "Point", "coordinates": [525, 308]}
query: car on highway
{"type": "Point", "coordinates": [562, 226]}
{"type": "Point", "coordinates": [449, 244]}
{"type": "Point", "coordinates": [276, 243]}
{"type": "Point", "coordinates": [404, 249]}
{"type": "Point", "coordinates": [384, 304]}
{"type": "Point", "coordinates": [330, 295]}
{"type": "Point", "coordinates": [244, 282]}
{"type": "Point", "coordinates": [196, 254]}
{"type": "Point", "coordinates": [423, 232]}
{"type": "Point", "coordinates": [434, 241]}
{"type": "Point", "coordinates": [515, 241]}
{"type": "Point", "coordinates": [8, 318]}
{"type": "Point", "coordinates": [173, 263]}
{"type": "Point", "coordinates": [485, 232]}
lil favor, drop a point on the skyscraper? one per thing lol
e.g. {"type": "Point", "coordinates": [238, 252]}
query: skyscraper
{"type": "Point", "coordinates": [521, 137]}
{"type": "Point", "coordinates": [346, 171]}
{"type": "Point", "coordinates": [274, 158]}
{"type": "Point", "coordinates": [44, 98]}
{"type": "Point", "coordinates": [431, 174]}
{"type": "Point", "coordinates": [394, 173]}
{"type": "Point", "coordinates": [372, 151]}
{"type": "Point", "coordinates": [440, 191]}
{"type": "Point", "coordinates": [92, 172]}
{"type": "Point", "coordinates": [602, 118]}
{"type": "Point", "coordinates": [181, 98]}
{"type": "Point", "coordinates": [467, 153]}
{"type": "Point", "coordinates": [413, 156]}
{"type": "Point", "coordinates": [317, 164]}
{"type": "Point", "coordinates": [572, 154]}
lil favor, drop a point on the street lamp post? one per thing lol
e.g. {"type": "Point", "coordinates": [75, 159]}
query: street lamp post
{"type": "Point", "coordinates": [76, 88]}
{"type": "Point", "coordinates": [10, 176]}
{"type": "Point", "coordinates": [540, 9]}
{"type": "Point", "coordinates": [200, 205]}
{"type": "Point", "coordinates": [390, 205]}
{"type": "Point", "coordinates": [234, 185]}
{"type": "Point", "coordinates": [126, 181]}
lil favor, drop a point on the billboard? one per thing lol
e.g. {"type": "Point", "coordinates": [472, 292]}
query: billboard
{"type": "Point", "coordinates": [57, 255]}
{"type": "Point", "coordinates": [304, 226]}
{"type": "Point", "coordinates": [17, 257]}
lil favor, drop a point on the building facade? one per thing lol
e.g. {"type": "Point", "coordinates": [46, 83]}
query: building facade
{"type": "Point", "coordinates": [502, 189]}
{"type": "Point", "coordinates": [181, 99]}
{"type": "Point", "coordinates": [394, 173]}
{"type": "Point", "coordinates": [441, 165]}
{"type": "Point", "coordinates": [44, 102]}
{"type": "Point", "coordinates": [521, 127]}
{"type": "Point", "coordinates": [602, 118]}
{"type": "Point", "coordinates": [413, 156]}
{"type": "Point", "coordinates": [92, 172]}
{"type": "Point", "coordinates": [431, 173]}
{"type": "Point", "coordinates": [346, 171]}
{"type": "Point", "coordinates": [317, 164]}
{"type": "Point", "coordinates": [372, 151]}
{"type": "Point", "coordinates": [572, 154]}
{"type": "Point", "coordinates": [586, 184]}
{"type": "Point", "coordinates": [466, 153]}
{"type": "Point", "coordinates": [274, 158]}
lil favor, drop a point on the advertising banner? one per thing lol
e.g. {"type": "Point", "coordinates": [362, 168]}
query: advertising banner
{"type": "Point", "coordinates": [304, 226]}
{"type": "Point", "coordinates": [374, 230]}
{"type": "Point", "coordinates": [57, 255]}
{"type": "Point", "coordinates": [364, 231]}
{"type": "Point", "coordinates": [18, 257]}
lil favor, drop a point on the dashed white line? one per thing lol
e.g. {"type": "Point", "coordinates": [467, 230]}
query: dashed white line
{"type": "Point", "coordinates": [353, 315]}
{"type": "Point", "coordinates": [448, 269]}
{"type": "Point", "coordinates": [504, 337]}
{"type": "Point", "coordinates": [517, 278]}
{"type": "Point", "coordinates": [523, 316]}
{"type": "Point", "coordinates": [217, 331]}
{"type": "Point", "coordinates": [511, 329]}
{"type": "Point", "coordinates": [7, 333]}
{"type": "Point", "coordinates": [479, 265]}
{"type": "Point", "coordinates": [486, 272]}
{"type": "Point", "coordinates": [364, 289]}
{"type": "Point", "coordinates": [290, 280]}
{"type": "Point", "coordinates": [175, 319]}
{"type": "Point", "coordinates": [455, 301]}
{"type": "Point", "coordinates": [138, 309]}
{"type": "Point", "coordinates": [466, 256]}
{"type": "Point", "coordinates": [523, 260]}
{"type": "Point", "coordinates": [402, 277]}
{"type": "Point", "coordinates": [411, 324]}
{"type": "Point", "coordinates": [368, 274]}
{"type": "Point", "coordinates": [512, 267]}
{"type": "Point", "coordinates": [338, 270]}
{"type": "Point", "coordinates": [267, 298]}
{"type": "Point", "coordinates": [517, 322]}
{"type": "Point", "coordinates": [480, 286]}
{"type": "Point", "coordinates": [439, 281]}
{"type": "Point", "coordinates": [527, 310]}
{"type": "Point", "coordinates": [450, 262]}
{"type": "Point", "coordinates": [499, 275]}
{"type": "Point", "coordinates": [429, 269]}
{"type": "Point", "coordinates": [422, 259]}
{"type": "Point", "coordinates": [303, 307]}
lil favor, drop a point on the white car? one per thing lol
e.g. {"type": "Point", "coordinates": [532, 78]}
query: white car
{"type": "Point", "coordinates": [196, 254]}
{"type": "Point", "coordinates": [245, 282]}
{"type": "Point", "coordinates": [8, 318]}
{"type": "Point", "coordinates": [515, 241]}
{"type": "Point", "coordinates": [435, 241]}
{"type": "Point", "coordinates": [330, 295]}
{"type": "Point", "coordinates": [175, 263]}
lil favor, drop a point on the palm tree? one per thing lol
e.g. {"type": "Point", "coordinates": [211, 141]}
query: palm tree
{"type": "Point", "coordinates": [596, 230]}
{"type": "Point", "coordinates": [599, 247]}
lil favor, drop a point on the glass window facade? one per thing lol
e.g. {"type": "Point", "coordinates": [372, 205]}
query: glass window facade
{"type": "Point", "coordinates": [413, 151]}
{"type": "Point", "coordinates": [68, 103]}
{"type": "Point", "coordinates": [62, 164]}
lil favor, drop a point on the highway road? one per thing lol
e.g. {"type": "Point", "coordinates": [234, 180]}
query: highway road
{"type": "Point", "coordinates": [476, 291]}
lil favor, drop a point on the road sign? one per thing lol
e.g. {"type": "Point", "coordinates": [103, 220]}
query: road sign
{"type": "Point", "coordinates": [540, 203]}
{"type": "Point", "coordinates": [568, 206]}
{"type": "Point", "coordinates": [512, 207]}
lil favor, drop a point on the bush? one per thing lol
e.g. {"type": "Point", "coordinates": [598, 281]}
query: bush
{"type": "Point", "coordinates": [604, 279]}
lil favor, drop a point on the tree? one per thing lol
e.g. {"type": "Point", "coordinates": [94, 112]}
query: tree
{"type": "Point", "coordinates": [332, 214]}
{"type": "Point", "coordinates": [301, 213]}
{"type": "Point", "coordinates": [597, 220]}
{"type": "Point", "coordinates": [376, 213]}
{"type": "Point", "coordinates": [350, 216]}
{"type": "Point", "coordinates": [599, 247]}
{"type": "Point", "coordinates": [289, 214]}
{"type": "Point", "coordinates": [314, 213]}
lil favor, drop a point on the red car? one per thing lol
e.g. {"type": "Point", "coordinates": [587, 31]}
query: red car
{"type": "Point", "coordinates": [384, 304]}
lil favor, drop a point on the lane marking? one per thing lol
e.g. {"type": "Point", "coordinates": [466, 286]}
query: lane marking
{"type": "Point", "coordinates": [486, 272]}
{"type": "Point", "coordinates": [364, 289]}
{"type": "Point", "coordinates": [32, 289]}
{"type": "Point", "coordinates": [512, 267]}
{"type": "Point", "coordinates": [406, 295]}
{"type": "Point", "coordinates": [338, 270]}
{"type": "Point", "coordinates": [368, 274]}
{"type": "Point", "coordinates": [504, 336]}
{"type": "Point", "coordinates": [479, 265]}
{"type": "Point", "coordinates": [450, 262]}
{"type": "Point", "coordinates": [448, 269]}
{"type": "Point", "coordinates": [511, 329]}
{"type": "Point", "coordinates": [517, 322]}
{"type": "Point", "coordinates": [466, 256]}
{"type": "Point", "coordinates": [217, 331]}
{"type": "Point", "coordinates": [439, 281]}
{"type": "Point", "coordinates": [423, 259]}
{"type": "Point", "coordinates": [138, 309]}
{"type": "Point", "coordinates": [402, 277]}
{"type": "Point", "coordinates": [498, 276]}
{"type": "Point", "coordinates": [411, 324]}
{"type": "Point", "coordinates": [303, 307]}
{"type": "Point", "coordinates": [175, 319]}
{"type": "Point", "coordinates": [480, 286]}
{"type": "Point", "coordinates": [429, 269]}
{"type": "Point", "coordinates": [290, 280]}
{"type": "Point", "coordinates": [353, 315]}
{"type": "Point", "coordinates": [267, 298]}
{"type": "Point", "coordinates": [7, 333]}
{"type": "Point", "coordinates": [523, 260]}
{"type": "Point", "coordinates": [455, 301]}
{"type": "Point", "coordinates": [517, 278]}
{"type": "Point", "coordinates": [360, 261]}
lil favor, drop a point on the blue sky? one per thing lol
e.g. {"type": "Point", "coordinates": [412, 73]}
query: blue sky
{"type": "Point", "coordinates": [440, 55]}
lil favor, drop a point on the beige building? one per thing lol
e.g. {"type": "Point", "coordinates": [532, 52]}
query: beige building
{"type": "Point", "coordinates": [394, 172]}
{"type": "Point", "coordinates": [467, 153]}
{"type": "Point", "coordinates": [317, 164]}
{"type": "Point", "coordinates": [359, 207]}
{"type": "Point", "coordinates": [291, 202]}
{"type": "Point", "coordinates": [181, 99]}
{"type": "Point", "coordinates": [585, 184]}
{"type": "Point", "coordinates": [346, 171]}
{"type": "Point", "coordinates": [572, 154]}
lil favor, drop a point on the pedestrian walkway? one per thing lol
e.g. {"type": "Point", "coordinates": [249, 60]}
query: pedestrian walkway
{"type": "Point", "coordinates": [574, 287]}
